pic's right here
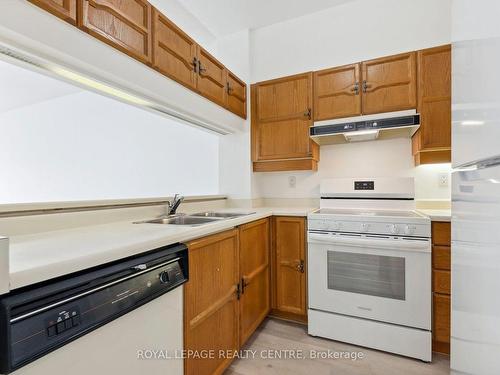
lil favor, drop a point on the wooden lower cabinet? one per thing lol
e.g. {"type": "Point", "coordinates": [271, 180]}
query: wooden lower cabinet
{"type": "Point", "coordinates": [441, 286]}
{"type": "Point", "coordinates": [227, 295]}
{"type": "Point", "coordinates": [254, 269]}
{"type": "Point", "coordinates": [211, 305]}
{"type": "Point", "coordinates": [289, 299]}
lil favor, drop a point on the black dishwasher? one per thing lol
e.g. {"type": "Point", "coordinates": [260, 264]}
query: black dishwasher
{"type": "Point", "coordinates": [39, 319]}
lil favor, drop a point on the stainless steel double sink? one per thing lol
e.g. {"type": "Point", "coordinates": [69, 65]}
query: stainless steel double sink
{"type": "Point", "coordinates": [196, 219]}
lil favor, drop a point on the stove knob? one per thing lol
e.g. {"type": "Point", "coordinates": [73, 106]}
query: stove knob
{"type": "Point", "coordinates": [365, 227]}
{"type": "Point", "coordinates": [394, 229]}
{"type": "Point", "coordinates": [409, 230]}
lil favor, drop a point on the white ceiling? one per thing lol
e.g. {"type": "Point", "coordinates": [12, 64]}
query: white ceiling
{"type": "Point", "coordinates": [20, 87]}
{"type": "Point", "coordinates": [223, 17]}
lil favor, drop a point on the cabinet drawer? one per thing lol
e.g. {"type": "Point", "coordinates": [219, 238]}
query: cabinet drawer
{"type": "Point", "coordinates": [441, 318]}
{"type": "Point", "coordinates": [441, 234]}
{"type": "Point", "coordinates": [441, 257]}
{"type": "Point", "coordinates": [441, 282]}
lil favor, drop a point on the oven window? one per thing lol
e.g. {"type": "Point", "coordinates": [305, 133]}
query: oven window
{"type": "Point", "coordinates": [374, 275]}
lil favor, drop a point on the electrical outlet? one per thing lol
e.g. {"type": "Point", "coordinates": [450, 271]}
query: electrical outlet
{"type": "Point", "coordinates": [443, 179]}
{"type": "Point", "coordinates": [292, 181]}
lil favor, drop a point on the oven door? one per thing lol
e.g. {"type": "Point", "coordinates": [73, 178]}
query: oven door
{"type": "Point", "coordinates": [375, 277]}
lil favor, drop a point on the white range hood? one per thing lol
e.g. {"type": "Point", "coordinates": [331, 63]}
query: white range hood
{"type": "Point", "coordinates": [366, 128]}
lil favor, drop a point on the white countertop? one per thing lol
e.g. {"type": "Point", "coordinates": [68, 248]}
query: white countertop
{"type": "Point", "coordinates": [437, 215]}
{"type": "Point", "coordinates": [42, 256]}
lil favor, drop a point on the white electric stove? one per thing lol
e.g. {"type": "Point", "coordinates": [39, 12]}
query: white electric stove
{"type": "Point", "coordinates": [369, 256]}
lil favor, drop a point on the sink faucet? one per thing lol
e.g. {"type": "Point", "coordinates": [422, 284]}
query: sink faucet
{"type": "Point", "coordinates": [174, 204]}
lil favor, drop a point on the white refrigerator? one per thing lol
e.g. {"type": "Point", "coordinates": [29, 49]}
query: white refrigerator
{"type": "Point", "coordinates": [475, 315]}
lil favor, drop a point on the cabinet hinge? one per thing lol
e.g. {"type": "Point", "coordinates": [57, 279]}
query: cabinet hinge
{"type": "Point", "coordinates": [238, 291]}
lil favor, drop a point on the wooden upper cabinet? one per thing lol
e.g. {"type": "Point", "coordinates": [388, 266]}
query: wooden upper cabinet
{"type": "Point", "coordinates": [64, 9]}
{"type": "Point", "coordinates": [432, 143]}
{"type": "Point", "coordinates": [337, 92]}
{"type": "Point", "coordinates": [289, 271]}
{"type": "Point", "coordinates": [389, 84]}
{"type": "Point", "coordinates": [254, 269]}
{"type": "Point", "coordinates": [211, 77]}
{"type": "Point", "coordinates": [282, 115]}
{"type": "Point", "coordinates": [126, 25]}
{"type": "Point", "coordinates": [236, 95]}
{"type": "Point", "coordinates": [211, 308]}
{"type": "Point", "coordinates": [174, 51]}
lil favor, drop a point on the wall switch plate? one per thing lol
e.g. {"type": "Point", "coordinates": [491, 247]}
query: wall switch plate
{"type": "Point", "coordinates": [443, 179]}
{"type": "Point", "coordinates": [292, 181]}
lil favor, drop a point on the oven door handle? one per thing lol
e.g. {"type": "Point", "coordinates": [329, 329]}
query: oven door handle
{"type": "Point", "coordinates": [420, 245]}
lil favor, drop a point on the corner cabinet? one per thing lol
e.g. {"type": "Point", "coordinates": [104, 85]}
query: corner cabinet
{"type": "Point", "coordinates": [281, 117]}
{"type": "Point", "coordinates": [64, 9]}
{"type": "Point", "coordinates": [289, 300]}
{"type": "Point", "coordinates": [125, 25]}
{"type": "Point", "coordinates": [432, 142]}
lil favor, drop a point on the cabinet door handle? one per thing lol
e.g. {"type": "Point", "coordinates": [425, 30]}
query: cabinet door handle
{"type": "Point", "coordinates": [366, 86]}
{"type": "Point", "coordinates": [300, 266]}
{"type": "Point", "coordinates": [195, 64]}
{"type": "Point", "coordinates": [355, 88]}
{"type": "Point", "coordinates": [229, 88]}
{"type": "Point", "coordinates": [308, 113]}
{"type": "Point", "coordinates": [200, 68]}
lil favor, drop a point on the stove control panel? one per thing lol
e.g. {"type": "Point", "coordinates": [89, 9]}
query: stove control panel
{"type": "Point", "coordinates": [371, 227]}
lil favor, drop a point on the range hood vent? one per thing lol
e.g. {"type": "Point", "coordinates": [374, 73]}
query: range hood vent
{"type": "Point", "coordinates": [366, 128]}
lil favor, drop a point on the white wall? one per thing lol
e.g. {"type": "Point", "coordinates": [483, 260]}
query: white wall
{"type": "Point", "coordinates": [383, 158]}
{"type": "Point", "coordinates": [87, 147]}
{"type": "Point", "coordinates": [349, 33]}
{"type": "Point", "coordinates": [344, 34]}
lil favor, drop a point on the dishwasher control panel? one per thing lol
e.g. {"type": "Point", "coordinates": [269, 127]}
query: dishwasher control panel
{"type": "Point", "coordinates": [33, 328]}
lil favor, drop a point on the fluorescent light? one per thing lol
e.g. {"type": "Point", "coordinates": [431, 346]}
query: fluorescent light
{"type": "Point", "coordinates": [99, 86]}
{"type": "Point", "coordinates": [472, 123]}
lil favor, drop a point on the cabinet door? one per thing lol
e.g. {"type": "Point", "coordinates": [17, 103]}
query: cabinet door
{"type": "Point", "coordinates": [254, 269]}
{"type": "Point", "coordinates": [289, 266]}
{"type": "Point", "coordinates": [283, 117]}
{"type": "Point", "coordinates": [211, 301]}
{"type": "Point", "coordinates": [337, 92]}
{"type": "Point", "coordinates": [389, 84]}
{"type": "Point", "coordinates": [64, 9]}
{"type": "Point", "coordinates": [125, 25]}
{"type": "Point", "coordinates": [211, 78]}
{"type": "Point", "coordinates": [236, 95]}
{"type": "Point", "coordinates": [174, 51]}
{"type": "Point", "coordinates": [441, 323]}
{"type": "Point", "coordinates": [434, 97]}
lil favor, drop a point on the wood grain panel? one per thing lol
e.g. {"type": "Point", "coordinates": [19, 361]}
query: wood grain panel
{"type": "Point", "coordinates": [289, 278]}
{"type": "Point", "coordinates": [389, 84]}
{"type": "Point", "coordinates": [441, 281]}
{"type": "Point", "coordinates": [441, 258]}
{"type": "Point", "coordinates": [441, 233]}
{"type": "Point", "coordinates": [441, 323]}
{"type": "Point", "coordinates": [64, 9]}
{"type": "Point", "coordinates": [174, 51]}
{"type": "Point", "coordinates": [211, 78]}
{"type": "Point", "coordinates": [125, 25]}
{"type": "Point", "coordinates": [236, 95]}
{"type": "Point", "coordinates": [211, 309]}
{"type": "Point", "coordinates": [337, 92]}
{"type": "Point", "coordinates": [254, 270]}
{"type": "Point", "coordinates": [286, 165]}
